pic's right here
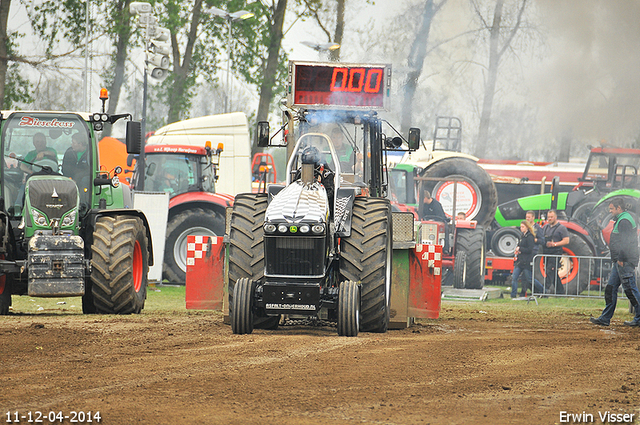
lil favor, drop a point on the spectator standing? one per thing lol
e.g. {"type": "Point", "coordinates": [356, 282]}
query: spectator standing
{"type": "Point", "coordinates": [522, 265]}
{"type": "Point", "coordinates": [556, 236]}
{"type": "Point", "coordinates": [530, 216]}
{"type": "Point", "coordinates": [624, 256]}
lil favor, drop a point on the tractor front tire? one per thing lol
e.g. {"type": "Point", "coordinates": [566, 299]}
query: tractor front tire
{"type": "Point", "coordinates": [505, 240]}
{"type": "Point", "coordinates": [195, 221]}
{"type": "Point", "coordinates": [246, 248]}
{"type": "Point", "coordinates": [366, 258]}
{"type": "Point", "coordinates": [119, 265]}
{"type": "Point", "coordinates": [472, 241]}
{"type": "Point", "coordinates": [460, 270]}
{"type": "Point", "coordinates": [242, 313]}
{"type": "Point", "coordinates": [348, 309]}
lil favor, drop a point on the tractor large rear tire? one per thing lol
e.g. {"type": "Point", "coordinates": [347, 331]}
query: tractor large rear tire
{"type": "Point", "coordinates": [481, 187]}
{"type": "Point", "coordinates": [195, 221]}
{"type": "Point", "coordinates": [366, 258]}
{"type": "Point", "coordinates": [472, 242]}
{"type": "Point", "coordinates": [119, 265]}
{"type": "Point", "coordinates": [246, 247]}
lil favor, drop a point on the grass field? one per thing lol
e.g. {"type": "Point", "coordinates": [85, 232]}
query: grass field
{"type": "Point", "coordinates": [171, 299]}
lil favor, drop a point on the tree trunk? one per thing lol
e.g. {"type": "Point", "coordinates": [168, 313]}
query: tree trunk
{"type": "Point", "coordinates": [415, 62]}
{"type": "Point", "coordinates": [490, 85]}
{"type": "Point", "coordinates": [4, 41]}
{"type": "Point", "coordinates": [181, 71]}
{"type": "Point", "coordinates": [121, 57]}
{"type": "Point", "coordinates": [334, 55]}
{"type": "Point", "coordinates": [266, 90]}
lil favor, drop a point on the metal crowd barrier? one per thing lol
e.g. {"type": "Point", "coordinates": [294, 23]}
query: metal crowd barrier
{"type": "Point", "coordinates": [577, 276]}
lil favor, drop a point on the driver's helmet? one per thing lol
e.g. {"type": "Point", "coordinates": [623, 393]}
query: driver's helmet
{"type": "Point", "coordinates": [310, 155]}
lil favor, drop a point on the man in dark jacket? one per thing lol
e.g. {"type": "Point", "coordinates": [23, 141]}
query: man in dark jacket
{"type": "Point", "coordinates": [432, 208]}
{"type": "Point", "coordinates": [623, 244]}
{"type": "Point", "coordinates": [556, 236]}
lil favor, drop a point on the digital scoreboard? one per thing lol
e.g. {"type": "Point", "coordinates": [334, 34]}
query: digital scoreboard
{"type": "Point", "coordinates": [339, 85]}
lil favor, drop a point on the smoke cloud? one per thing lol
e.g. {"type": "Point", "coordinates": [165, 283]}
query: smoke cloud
{"type": "Point", "coordinates": [589, 84]}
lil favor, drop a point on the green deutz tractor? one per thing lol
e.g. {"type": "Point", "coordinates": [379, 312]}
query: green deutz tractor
{"type": "Point", "coordinates": [67, 228]}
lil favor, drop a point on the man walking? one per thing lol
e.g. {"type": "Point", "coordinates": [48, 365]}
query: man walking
{"type": "Point", "coordinates": [623, 244]}
{"type": "Point", "coordinates": [556, 236]}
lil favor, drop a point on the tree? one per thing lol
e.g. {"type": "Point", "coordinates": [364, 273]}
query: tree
{"type": "Point", "coordinates": [13, 87]}
{"type": "Point", "coordinates": [415, 61]}
{"type": "Point", "coordinates": [323, 14]}
{"type": "Point", "coordinates": [497, 30]}
{"type": "Point", "coordinates": [270, 69]}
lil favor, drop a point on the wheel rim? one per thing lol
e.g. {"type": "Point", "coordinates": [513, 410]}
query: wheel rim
{"type": "Point", "coordinates": [137, 267]}
{"type": "Point", "coordinates": [507, 244]}
{"type": "Point", "coordinates": [567, 266]}
{"type": "Point", "coordinates": [180, 247]}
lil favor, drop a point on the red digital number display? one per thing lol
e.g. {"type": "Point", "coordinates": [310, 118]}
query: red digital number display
{"type": "Point", "coordinates": [329, 85]}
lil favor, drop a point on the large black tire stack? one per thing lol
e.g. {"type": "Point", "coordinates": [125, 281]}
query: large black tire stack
{"type": "Point", "coordinates": [246, 247]}
{"type": "Point", "coordinates": [119, 265]}
{"type": "Point", "coordinates": [472, 242]}
{"type": "Point", "coordinates": [472, 172]}
{"type": "Point", "coordinates": [203, 222]}
{"type": "Point", "coordinates": [366, 258]}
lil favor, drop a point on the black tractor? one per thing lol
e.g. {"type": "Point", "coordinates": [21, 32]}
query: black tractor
{"type": "Point", "coordinates": [321, 245]}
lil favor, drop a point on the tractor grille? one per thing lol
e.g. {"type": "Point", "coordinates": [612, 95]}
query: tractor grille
{"type": "Point", "coordinates": [294, 256]}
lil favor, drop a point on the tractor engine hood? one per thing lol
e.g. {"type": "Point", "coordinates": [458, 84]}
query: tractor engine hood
{"type": "Point", "coordinates": [299, 203]}
{"type": "Point", "coordinates": [52, 195]}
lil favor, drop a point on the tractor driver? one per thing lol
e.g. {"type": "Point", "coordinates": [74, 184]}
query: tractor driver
{"type": "Point", "coordinates": [75, 163]}
{"type": "Point", "coordinates": [41, 151]}
{"type": "Point", "coordinates": [345, 152]}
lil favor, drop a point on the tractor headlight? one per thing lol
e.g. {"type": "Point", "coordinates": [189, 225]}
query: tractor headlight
{"type": "Point", "coordinates": [304, 228]}
{"type": "Point", "coordinates": [38, 218]}
{"type": "Point", "coordinates": [317, 228]}
{"type": "Point", "coordinates": [283, 228]}
{"type": "Point", "coordinates": [69, 219]}
{"type": "Point", "coordinates": [269, 228]}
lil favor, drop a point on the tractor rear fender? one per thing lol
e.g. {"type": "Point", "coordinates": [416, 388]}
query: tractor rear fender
{"type": "Point", "coordinates": [221, 199]}
{"type": "Point", "coordinates": [187, 204]}
{"type": "Point", "coordinates": [622, 192]}
{"type": "Point", "coordinates": [90, 224]}
{"type": "Point", "coordinates": [575, 229]}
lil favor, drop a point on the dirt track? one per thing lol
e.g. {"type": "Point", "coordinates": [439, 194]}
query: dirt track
{"type": "Point", "coordinates": [470, 367]}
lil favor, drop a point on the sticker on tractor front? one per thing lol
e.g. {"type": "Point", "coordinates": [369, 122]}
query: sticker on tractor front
{"type": "Point", "coordinates": [36, 122]}
{"type": "Point", "coordinates": [466, 198]}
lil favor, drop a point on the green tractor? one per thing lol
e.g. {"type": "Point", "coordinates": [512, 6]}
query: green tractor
{"type": "Point", "coordinates": [67, 227]}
